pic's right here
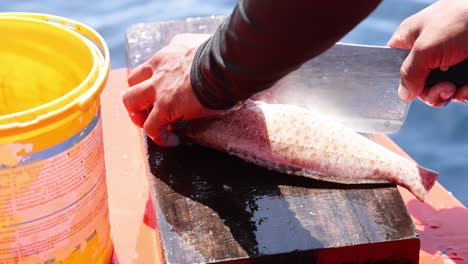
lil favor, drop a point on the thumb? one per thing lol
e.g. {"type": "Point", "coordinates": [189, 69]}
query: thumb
{"type": "Point", "coordinates": [406, 34]}
{"type": "Point", "coordinates": [414, 71]}
{"type": "Point", "coordinates": [157, 129]}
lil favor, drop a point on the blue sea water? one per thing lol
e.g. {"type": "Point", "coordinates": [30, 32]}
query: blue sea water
{"type": "Point", "coordinates": [436, 138]}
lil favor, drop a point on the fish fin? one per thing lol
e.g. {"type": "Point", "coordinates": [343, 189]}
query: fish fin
{"type": "Point", "coordinates": [428, 177]}
{"type": "Point", "coordinates": [345, 180]}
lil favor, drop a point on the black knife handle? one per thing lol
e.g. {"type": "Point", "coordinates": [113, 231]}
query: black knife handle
{"type": "Point", "coordinates": [457, 74]}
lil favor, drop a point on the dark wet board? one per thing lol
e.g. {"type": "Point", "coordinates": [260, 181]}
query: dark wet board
{"type": "Point", "coordinates": [212, 207]}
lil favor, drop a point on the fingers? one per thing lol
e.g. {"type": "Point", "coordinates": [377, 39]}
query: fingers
{"type": "Point", "coordinates": [462, 94]}
{"type": "Point", "coordinates": [140, 74]}
{"type": "Point", "coordinates": [442, 93]}
{"type": "Point", "coordinates": [439, 95]}
{"type": "Point", "coordinates": [139, 97]}
{"type": "Point", "coordinates": [157, 128]}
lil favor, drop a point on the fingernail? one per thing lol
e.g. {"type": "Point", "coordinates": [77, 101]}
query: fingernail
{"type": "Point", "coordinates": [403, 93]}
{"type": "Point", "coordinates": [172, 140]}
{"type": "Point", "coordinates": [445, 95]}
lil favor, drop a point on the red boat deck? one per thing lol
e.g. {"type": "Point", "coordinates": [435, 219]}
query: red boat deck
{"type": "Point", "coordinates": [441, 222]}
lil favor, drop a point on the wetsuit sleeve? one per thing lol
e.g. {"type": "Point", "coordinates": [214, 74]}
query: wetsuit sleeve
{"type": "Point", "coordinates": [263, 40]}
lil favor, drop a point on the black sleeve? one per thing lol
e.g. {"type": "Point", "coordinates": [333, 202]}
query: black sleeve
{"type": "Point", "coordinates": [264, 40]}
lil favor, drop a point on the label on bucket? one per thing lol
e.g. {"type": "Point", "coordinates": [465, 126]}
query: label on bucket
{"type": "Point", "coordinates": [53, 203]}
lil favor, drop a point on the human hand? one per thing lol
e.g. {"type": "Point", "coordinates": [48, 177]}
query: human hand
{"type": "Point", "coordinates": [160, 92]}
{"type": "Point", "coordinates": [438, 38]}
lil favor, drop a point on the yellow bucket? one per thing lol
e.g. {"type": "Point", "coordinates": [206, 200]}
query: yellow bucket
{"type": "Point", "coordinates": [53, 192]}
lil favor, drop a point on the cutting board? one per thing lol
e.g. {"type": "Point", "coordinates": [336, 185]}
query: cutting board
{"type": "Point", "coordinates": [215, 208]}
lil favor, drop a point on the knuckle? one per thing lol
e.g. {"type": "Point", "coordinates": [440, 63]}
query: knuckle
{"type": "Point", "coordinates": [150, 124]}
{"type": "Point", "coordinates": [429, 53]}
{"type": "Point", "coordinates": [140, 74]}
{"type": "Point", "coordinates": [406, 23]}
{"type": "Point", "coordinates": [155, 60]}
{"type": "Point", "coordinates": [407, 26]}
{"type": "Point", "coordinates": [149, 128]}
{"type": "Point", "coordinates": [408, 31]}
{"type": "Point", "coordinates": [125, 101]}
{"type": "Point", "coordinates": [127, 98]}
{"type": "Point", "coordinates": [428, 43]}
{"type": "Point", "coordinates": [423, 47]}
{"type": "Point", "coordinates": [404, 71]}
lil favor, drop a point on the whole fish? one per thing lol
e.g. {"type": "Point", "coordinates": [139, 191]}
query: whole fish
{"type": "Point", "coordinates": [293, 140]}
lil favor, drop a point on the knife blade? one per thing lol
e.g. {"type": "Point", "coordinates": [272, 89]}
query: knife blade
{"type": "Point", "coordinates": [355, 85]}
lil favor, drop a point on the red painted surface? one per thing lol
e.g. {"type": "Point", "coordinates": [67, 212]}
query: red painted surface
{"type": "Point", "coordinates": [442, 221]}
{"type": "Point", "coordinates": [131, 224]}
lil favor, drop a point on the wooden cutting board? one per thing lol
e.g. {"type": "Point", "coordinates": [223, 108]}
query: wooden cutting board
{"type": "Point", "coordinates": [212, 207]}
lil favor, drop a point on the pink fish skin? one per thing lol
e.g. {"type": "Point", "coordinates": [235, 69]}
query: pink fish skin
{"type": "Point", "coordinates": [293, 140]}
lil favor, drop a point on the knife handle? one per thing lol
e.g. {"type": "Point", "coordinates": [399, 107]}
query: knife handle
{"type": "Point", "coordinates": [457, 74]}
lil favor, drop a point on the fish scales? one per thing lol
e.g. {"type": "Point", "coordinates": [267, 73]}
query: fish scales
{"type": "Point", "coordinates": [293, 140]}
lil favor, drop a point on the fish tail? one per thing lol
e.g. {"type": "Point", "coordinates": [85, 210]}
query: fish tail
{"type": "Point", "coordinates": [428, 179]}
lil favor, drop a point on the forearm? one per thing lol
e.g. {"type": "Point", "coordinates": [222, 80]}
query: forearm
{"type": "Point", "coordinates": [263, 40]}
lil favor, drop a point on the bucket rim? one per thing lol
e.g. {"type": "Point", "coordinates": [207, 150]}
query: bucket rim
{"type": "Point", "coordinates": [83, 94]}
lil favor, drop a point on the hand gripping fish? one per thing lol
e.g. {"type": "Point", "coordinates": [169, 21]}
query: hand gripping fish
{"type": "Point", "coordinates": [294, 140]}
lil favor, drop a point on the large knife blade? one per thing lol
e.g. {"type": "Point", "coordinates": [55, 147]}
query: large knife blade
{"type": "Point", "coordinates": [352, 84]}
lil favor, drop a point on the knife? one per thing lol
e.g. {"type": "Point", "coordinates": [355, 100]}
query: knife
{"type": "Point", "coordinates": [355, 85]}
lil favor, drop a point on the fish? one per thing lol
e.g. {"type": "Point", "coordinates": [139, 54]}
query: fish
{"type": "Point", "coordinates": [293, 140]}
